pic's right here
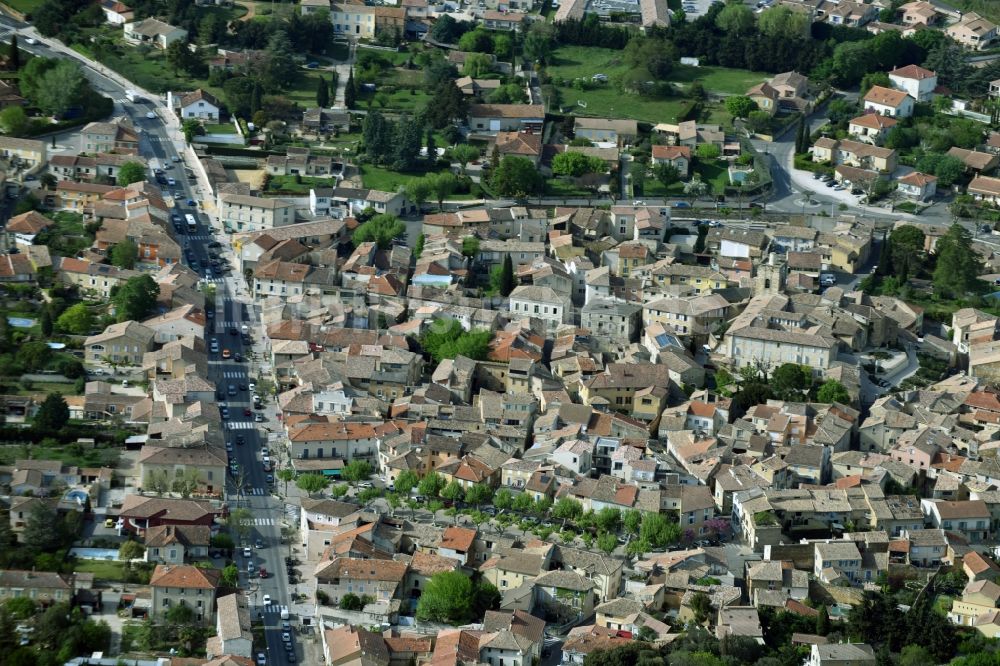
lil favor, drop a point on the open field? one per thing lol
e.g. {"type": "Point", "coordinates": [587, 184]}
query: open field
{"type": "Point", "coordinates": [25, 6]}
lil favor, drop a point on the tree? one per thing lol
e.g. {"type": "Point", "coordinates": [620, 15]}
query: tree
{"type": "Point", "coordinates": [14, 121]}
{"type": "Point", "coordinates": [823, 621]}
{"type": "Point", "coordinates": [136, 298]}
{"type": "Point", "coordinates": [915, 655]}
{"type": "Point", "coordinates": [351, 602]}
{"type": "Point", "coordinates": [406, 481]}
{"type": "Point", "coordinates": [60, 87]}
{"type": "Point", "coordinates": [608, 519]}
{"type": "Point", "coordinates": [958, 265]}
{"type": "Point", "coordinates": [516, 177]}
{"type": "Point", "coordinates": [503, 500]}
{"type": "Point", "coordinates": [740, 106]}
{"type": "Point", "coordinates": [948, 170]}
{"type": "Point", "coordinates": [539, 42]}
{"type": "Point", "coordinates": [312, 483]}
{"type": "Point", "coordinates": [759, 122]}
{"type": "Point", "coordinates": [186, 481]}
{"type": "Point", "coordinates": [279, 70]}
{"type": "Point", "coordinates": [478, 494]}
{"type": "Point", "coordinates": [567, 508]}
{"type": "Point", "coordinates": [782, 23]}
{"type": "Point", "coordinates": [476, 41]}
{"type": "Point", "coordinates": [470, 247]}
{"type": "Point", "coordinates": [124, 254]}
{"type": "Point", "coordinates": [872, 79]}
{"type": "Point", "coordinates": [189, 128]}
{"type": "Point", "coordinates": [52, 414]}
{"type": "Point", "coordinates": [477, 65]}
{"type": "Point", "coordinates": [906, 251]}
{"type": "Point", "coordinates": [418, 191]}
{"type": "Point", "coordinates": [453, 492]}
{"type": "Point", "coordinates": [377, 137]}
{"type": "Point", "coordinates": [607, 542]}
{"type": "Point", "coordinates": [15, 54]}
{"type": "Point", "coordinates": [38, 535]}
{"type": "Point", "coordinates": [447, 598]}
{"type": "Point", "coordinates": [238, 93]}
{"type": "Point", "coordinates": [407, 135]}
{"type": "Point", "coordinates": [447, 339]}
{"type": "Point", "coordinates": [442, 185]}
{"type": "Point", "coordinates": [576, 164]}
{"type": "Point", "coordinates": [432, 151]}
{"type": "Point", "coordinates": [632, 520]}
{"type": "Point", "coordinates": [322, 93]}
{"type": "Point", "coordinates": [507, 280]}
{"type": "Point", "coordinates": [76, 320]}
{"type": "Point", "coordinates": [350, 90]}
{"type": "Point", "coordinates": [658, 531]}
{"type": "Point", "coordinates": [708, 152]}
{"type": "Point", "coordinates": [231, 576]}
{"type": "Point", "coordinates": [736, 19]}
{"type": "Point", "coordinates": [431, 485]}
{"type": "Point", "coordinates": [701, 605]}
{"type": "Point", "coordinates": [464, 153]}
{"type": "Point", "coordinates": [666, 173]}
{"type": "Point", "coordinates": [45, 321]}
{"type": "Point", "coordinates": [356, 471]}
{"type": "Point", "coordinates": [790, 381]}
{"type": "Point", "coordinates": [131, 172]}
{"type": "Point", "coordinates": [179, 613]}
{"type": "Point", "coordinates": [381, 230]}
{"type": "Point", "coordinates": [833, 391]}
{"type": "Point", "coordinates": [130, 550]}
{"type": "Point", "coordinates": [20, 608]}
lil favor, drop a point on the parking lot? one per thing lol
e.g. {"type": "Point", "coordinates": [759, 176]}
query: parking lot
{"type": "Point", "coordinates": [696, 8]}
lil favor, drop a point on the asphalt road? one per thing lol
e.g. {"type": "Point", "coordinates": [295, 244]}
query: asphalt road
{"type": "Point", "coordinates": [162, 150]}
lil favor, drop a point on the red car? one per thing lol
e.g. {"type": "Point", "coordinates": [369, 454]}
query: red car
{"type": "Point", "coordinates": [263, 572]}
{"type": "Point", "coordinates": [247, 412]}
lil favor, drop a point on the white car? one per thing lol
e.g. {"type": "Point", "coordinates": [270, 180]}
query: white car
{"type": "Point", "coordinates": [261, 659]}
{"type": "Point", "coordinates": [267, 599]}
{"type": "Point", "coordinates": [31, 40]}
{"type": "Point", "coordinates": [150, 115]}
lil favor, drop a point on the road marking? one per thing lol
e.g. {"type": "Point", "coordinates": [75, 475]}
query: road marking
{"type": "Point", "coordinates": [263, 522]}
{"type": "Point", "coordinates": [234, 374]}
{"type": "Point", "coordinates": [239, 425]}
{"type": "Point", "coordinates": [258, 491]}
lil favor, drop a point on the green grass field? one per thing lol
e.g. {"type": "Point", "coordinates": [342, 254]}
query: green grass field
{"type": "Point", "coordinates": [222, 128]}
{"type": "Point", "coordinates": [302, 186]}
{"type": "Point", "coordinates": [608, 102]}
{"type": "Point", "coordinates": [25, 6]}
{"type": "Point", "coordinates": [715, 174]}
{"type": "Point", "coordinates": [570, 62]}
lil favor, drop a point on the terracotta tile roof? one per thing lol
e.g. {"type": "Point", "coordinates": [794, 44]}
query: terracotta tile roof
{"type": "Point", "coordinates": [874, 121]}
{"type": "Point", "coordinates": [458, 538]}
{"type": "Point", "coordinates": [184, 576]}
{"type": "Point", "coordinates": [885, 96]}
{"type": "Point", "coordinates": [913, 72]}
{"type": "Point", "coordinates": [918, 179]}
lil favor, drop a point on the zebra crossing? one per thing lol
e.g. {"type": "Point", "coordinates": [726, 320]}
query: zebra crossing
{"type": "Point", "coordinates": [260, 522]}
{"type": "Point", "coordinates": [234, 374]}
{"type": "Point", "coordinates": [239, 425]}
{"type": "Point", "coordinates": [230, 324]}
{"type": "Point", "coordinates": [214, 280]}
{"type": "Point", "coordinates": [257, 491]}
{"type": "Point", "coordinates": [200, 237]}
{"type": "Point", "coordinates": [272, 608]}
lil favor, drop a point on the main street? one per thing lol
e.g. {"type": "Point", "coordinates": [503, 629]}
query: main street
{"type": "Point", "coordinates": [163, 148]}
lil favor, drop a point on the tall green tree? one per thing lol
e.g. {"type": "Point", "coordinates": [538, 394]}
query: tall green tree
{"type": "Point", "coordinates": [279, 71]}
{"type": "Point", "coordinates": [406, 143]}
{"type": "Point", "coordinates": [377, 137]}
{"type": "Point", "coordinates": [45, 322]}
{"type": "Point", "coordinates": [516, 177]}
{"type": "Point", "coordinates": [52, 414]}
{"type": "Point", "coordinates": [14, 121]}
{"type": "Point", "coordinates": [356, 471]}
{"type": "Point", "coordinates": [135, 299]}
{"type": "Point", "coordinates": [15, 53]}
{"type": "Point", "coordinates": [322, 93]}
{"type": "Point", "coordinates": [507, 279]}
{"type": "Point", "coordinates": [131, 172]}
{"type": "Point", "coordinates": [447, 598]}
{"type": "Point", "coordinates": [312, 483]}
{"type": "Point", "coordinates": [76, 320]}
{"type": "Point", "coordinates": [740, 106]}
{"type": "Point", "coordinates": [833, 391]}
{"type": "Point", "coordinates": [442, 185]}
{"type": "Point", "coordinates": [124, 254]}
{"type": "Point", "coordinates": [418, 191]}
{"type": "Point", "coordinates": [958, 265]}
{"type": "Point", "coordinates": [791, 381]}
{"type": "Point", "coordinates": [381, 230]}
{"type": "Point", "coordinates": [350, 91]}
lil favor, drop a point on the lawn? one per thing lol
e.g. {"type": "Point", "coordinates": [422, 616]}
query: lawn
{"type": "Point", "coordinates": [570, 62]}
{"type": "Point", "coordinates": [609, 102]}
{"type": "Point", "coordinates": [719, 80]}
{"type": "Point", "coordinates": [300, 186]}
{"type": "Point", "coordinates": [221, 128]}
{"type": "Point", "coordinates": [715, 174]}
{"type": "Point", "coordinates": [24, 6]}
{"type": "Point", "coordinates": [102, 569]}
{"type": "Point", "coordinates": [70, 454]}
{"type": "Point", "coordinates": [386, 180]}
{"type": "Point", "coordinates": [560, 187]}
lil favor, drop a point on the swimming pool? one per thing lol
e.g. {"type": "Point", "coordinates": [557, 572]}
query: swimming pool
{"type": "Point", "coordinates": [107, 554]}
{"type": "Point", "coordinates": [20, 322]}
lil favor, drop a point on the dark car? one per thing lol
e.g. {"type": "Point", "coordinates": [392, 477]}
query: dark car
{"type": "Point", "coordinates": [233, 331]}
{"type": "Point", "coordinates": [238, 357]}
{"type": "Point", "coordinates": [247, 412]}
{"type": "Point", "coordinates": [215, 244]}
{"type": "Point", "coordinates": [204, 263]}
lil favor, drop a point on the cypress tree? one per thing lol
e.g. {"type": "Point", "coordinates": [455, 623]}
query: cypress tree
{"type": "Point", "coordinates": [884, 257]}
{"type": "Point", "coordinates": [431, 145]}
{"type": "Point", "coordinates": [350, 93]}
{"type": "Point", "coordinates": [507, 276]}
{"type": "Point", "coordinates": [322, 93]}
{"type": "Point", "coordinates": [256, 99]}
{"type": "Point", "coordinates": [15, 54]}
